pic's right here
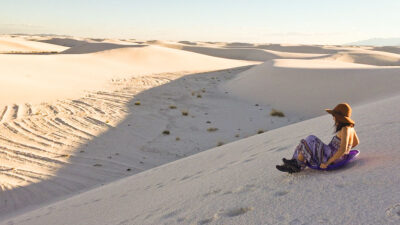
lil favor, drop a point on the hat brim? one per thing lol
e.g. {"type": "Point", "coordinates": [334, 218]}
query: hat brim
{"type": "Point", "coordinates": [340, 118]}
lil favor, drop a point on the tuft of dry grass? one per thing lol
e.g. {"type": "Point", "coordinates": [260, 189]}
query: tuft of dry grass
{"type": "Point", "coordinates": [237, 135]}
{"type": "Point", "coordinates": [212, 129]}
{"type": "Point", "coordinates": [277, 113]}
{"type": "Point", "coordinates": [166, 132]}
{"type": "Point", "coordinates": [172, 107]}
{"type": "Point", "coordinates": [137, 103]}
{"type": "Point", "coordinates": [185, 113]}
{"type": "Point", "coordinates": [177, 138]}
{"type": "Point", "coordinates": [260, 131]}
{"type": "Point", "coordinates": [199, 96]}
{"type": "Point", "coordinates": [220, 143]}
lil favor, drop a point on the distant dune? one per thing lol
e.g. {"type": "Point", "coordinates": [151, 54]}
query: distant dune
{"type": "Point", "coordinates": [378, 42]}
{"type": "Point", "coordinates": [10, 44]}
{"type": "Point", "coordinates": [307, 86]}
{"type": "Point", "coordinates": [253, 53]}
{"type": "Point", "coordinates": [49, 77]}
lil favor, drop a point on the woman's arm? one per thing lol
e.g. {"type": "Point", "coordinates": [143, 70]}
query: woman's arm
{"type": "Point", "coordinates": [343, 145]}
{"type": "Point", "coordinates": [356, 141]}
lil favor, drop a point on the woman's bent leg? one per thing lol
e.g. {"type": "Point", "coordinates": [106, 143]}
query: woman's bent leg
{"type": "Point", "coordinates": [301, 154]}
{"type": "Point", "coordinates": [309, 151]}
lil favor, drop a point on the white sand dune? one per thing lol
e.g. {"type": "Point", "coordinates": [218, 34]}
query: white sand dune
{"type": "Point", "coordinates": [311, 49]}
{"type": "Point", "coordinates": [72, 122]}
{"type": "Point", "coordinates": [392, 49]}
{"type": "Point", "coordinates": [238, 184]}
{"type": "Point", "coordinates": [252, 54]}
{"type": "Point", "coordinates": [242, 54]}
{"type": "Point", "coordinates": [262, 53]}
{"type": "Point", "coordinates": [83, 45]}
{"type": "Point", "coordinates": [55, 109]}
{"type": "Point", "coordinates": [105, 136]}
{"type": "Point", "coordinates": [65, 41]}
{"type": "Point", "coordinates": [49, 77]}
{"type": "Point", "coordinates": [369, 58]}
{"type": "Point", "coordinates": [9, 44]}
{"type": "Point", "coordinates": [305, 86]}
{"type": "Point", "coordinates": [96, 47]}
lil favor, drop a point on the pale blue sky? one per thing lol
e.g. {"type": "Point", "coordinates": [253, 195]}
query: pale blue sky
{"type": "Point", "coordinates": [279, 21]}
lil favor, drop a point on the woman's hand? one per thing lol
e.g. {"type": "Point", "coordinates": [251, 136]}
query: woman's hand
{"type": "Point", "coordinates": [323, 166]}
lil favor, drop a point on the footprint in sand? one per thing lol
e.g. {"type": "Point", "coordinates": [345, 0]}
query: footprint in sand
{"type": "Point", "coordinates": [230, 213]}
{"type": "Point", "coordinates": [212, 192]}
{"type": "Point", "coordinates": [171, 214]}
{"type": "Point", "coordinates": [209, 220]}
{"type": "Point", "coordinates": [280, 193]}
{"type": "Point", "coordinates": [238, 211]}
{"type": "Point", "coordinates": [185, 178]}
{"type": "Point", "coordinates": [248, 160]}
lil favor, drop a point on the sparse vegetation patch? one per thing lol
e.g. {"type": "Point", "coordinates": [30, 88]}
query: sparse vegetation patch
{"type": "Point", "coordinates": [277, 113]}
{"type": "Point", "coordinates": [212, 129]}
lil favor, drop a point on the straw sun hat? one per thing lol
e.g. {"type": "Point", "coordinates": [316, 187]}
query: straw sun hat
{"type": "Point", "coordinates": [342, 113]}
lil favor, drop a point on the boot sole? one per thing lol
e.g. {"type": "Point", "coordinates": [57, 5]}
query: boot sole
{"type": "Point", "coordinates": [284, 169]}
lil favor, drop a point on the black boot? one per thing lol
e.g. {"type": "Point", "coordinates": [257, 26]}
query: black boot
{"type": "Point", "coordinates": [284, 168]}
{"type": "Point", "coordinates": [288, 161]}
{"type": "Point", "coordinates": [292, 164]}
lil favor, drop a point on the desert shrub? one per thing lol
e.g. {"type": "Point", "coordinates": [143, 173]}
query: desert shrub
{"type": "Point", "coordinates": [277, 113]}
{"type": "Point", "coordinates": [212, 129]}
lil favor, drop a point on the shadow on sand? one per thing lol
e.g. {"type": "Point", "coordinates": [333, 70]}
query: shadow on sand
{"type": "Point", "coordinates": [104, 159]}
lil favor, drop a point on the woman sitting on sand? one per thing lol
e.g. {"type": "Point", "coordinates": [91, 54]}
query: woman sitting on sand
{"type": "Point", "coordinates": [314, 152]}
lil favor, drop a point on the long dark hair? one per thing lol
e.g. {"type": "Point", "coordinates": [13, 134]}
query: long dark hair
{"type": "Point", "coordinates": [339, 125]}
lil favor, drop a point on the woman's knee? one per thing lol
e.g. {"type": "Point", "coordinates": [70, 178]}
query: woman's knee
{"type": "Point", "coordinates": [311, 137]}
